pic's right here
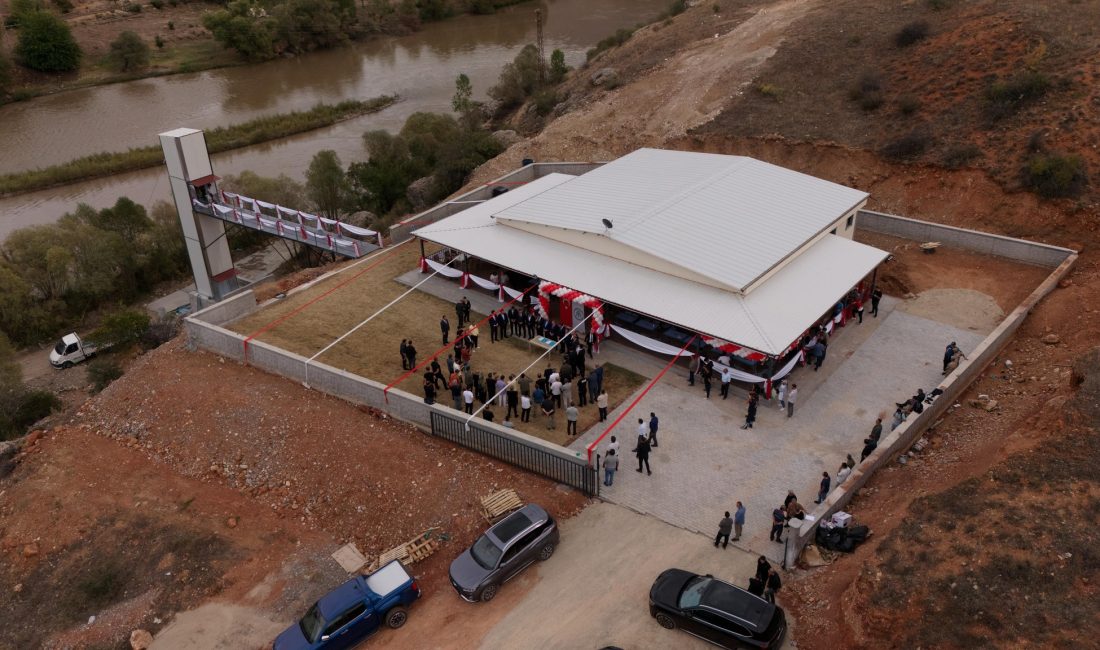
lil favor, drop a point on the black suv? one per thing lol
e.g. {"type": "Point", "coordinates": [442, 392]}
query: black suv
{"type": "Point", "coordinates": [715, 611]}
{"type": "Point", "coordinates": [504, 550]}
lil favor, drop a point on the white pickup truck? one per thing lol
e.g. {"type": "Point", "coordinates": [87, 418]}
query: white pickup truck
{"type": "Point", "coordinates": [71, 350]}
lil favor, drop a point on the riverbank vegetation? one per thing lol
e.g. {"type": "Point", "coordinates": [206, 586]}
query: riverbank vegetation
{"type": "Point", "coordinates": [253, 132]}
{"type": "Point", "coordinates": [181, 41]}
{"type": "Point", "coordinates": [52, 276]}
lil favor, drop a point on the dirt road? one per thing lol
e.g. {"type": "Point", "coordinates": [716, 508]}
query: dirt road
{"type": "Point", "coordinates": [592, 593]}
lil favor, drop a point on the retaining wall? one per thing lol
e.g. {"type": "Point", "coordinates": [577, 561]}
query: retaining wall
{"type": "Point", "coordinates": [909, 431]}
{"type": "Point", "coordinates": [227, 310]}
{"type": "Point", "coordinates": [980, 242]}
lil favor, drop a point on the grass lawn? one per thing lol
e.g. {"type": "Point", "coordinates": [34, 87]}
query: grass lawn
{"type": "Point", "coordinates": [372, 351]}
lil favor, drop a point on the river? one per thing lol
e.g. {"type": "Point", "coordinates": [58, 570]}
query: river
{"type": "Point", "coordinates": [420, 67]}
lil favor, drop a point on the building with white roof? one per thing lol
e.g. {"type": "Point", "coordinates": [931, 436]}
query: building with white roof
{"type": "Point", "coordinates": [728, 247]}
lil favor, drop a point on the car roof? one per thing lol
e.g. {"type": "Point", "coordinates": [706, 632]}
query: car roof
{"type": "Point", "coordinates": [518, 523]}
{"type": "Point", "coordinates": [69, 339]}
{"type": "Point", "coordinates": [338, 600]}
{"type": "Point", "coordinates": [738, 603]}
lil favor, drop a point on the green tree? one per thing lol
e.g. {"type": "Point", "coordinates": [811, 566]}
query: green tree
{"type": "Point", "coordinates": [41, 255]}
{"type": "Point", "coordinates": [128, 52]}
{"type": "Point", "coordinates": [519, 79]}
{"type": "Point", "coordinates": [242, 26]}
{"type": "Point", "coordinates": [558, 69]}
{"type": "Point", "coordinates": [125, 218]}
{"type": "Point", "coordinates": [327, 184]}
{"type": "Point", "coordinates": [464, 90]}
{"type": "Point", "coordinates": [304, 25]}
{"type": "Point", "coordinates": [20, 9]}
{"type": "Point", "coordinates": [381, 181]}
{"type": "Point", "coordinates": [46, 44]}
{"type": "Point", "coordinates": [121, 327]}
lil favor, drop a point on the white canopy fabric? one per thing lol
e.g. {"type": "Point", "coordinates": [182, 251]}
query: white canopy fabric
{"type": "Point", "coordinates": [768, 319]}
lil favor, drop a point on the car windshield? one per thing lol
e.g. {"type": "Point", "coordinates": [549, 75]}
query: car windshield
{"type": "Point", "coordinates": [693, 592]}
{"type": "Point", "coordinates": [60, 347]}
{"type": "Point", "coordinates": [312, 624]}
{"type": "Point", "coordinates": [485, 552]}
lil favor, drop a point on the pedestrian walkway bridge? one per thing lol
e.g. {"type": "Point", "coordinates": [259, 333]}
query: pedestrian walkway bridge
{"type": "Point", "coordinates": [312, 230]}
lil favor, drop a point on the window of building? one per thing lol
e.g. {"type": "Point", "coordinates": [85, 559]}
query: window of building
{"type": "Point", "coordinates": [851, 220]}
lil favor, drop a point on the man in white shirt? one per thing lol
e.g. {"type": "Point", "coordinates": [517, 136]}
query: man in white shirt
{"type": "Point", "coordinates": [468, 400]}
{"type": "Point", "coordinates": [727, 377]}
{"type": "Point", "coordinates": [612, 446]}
{"type": "Point", "coordinates": [555, 392]}
{"type": "Point", "coordinates": [790, 399]}
{"type": "Point", "coordinates": [525, 408]}
{"type": "Point", "coordinates": [643, 429]}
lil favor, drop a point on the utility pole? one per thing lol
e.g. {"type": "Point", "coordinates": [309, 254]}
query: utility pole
{"type": "Point", "coordinates": [540, 44]}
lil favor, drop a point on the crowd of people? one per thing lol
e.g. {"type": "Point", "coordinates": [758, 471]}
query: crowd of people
{"type": "Point", "coordinates": [575, 384]}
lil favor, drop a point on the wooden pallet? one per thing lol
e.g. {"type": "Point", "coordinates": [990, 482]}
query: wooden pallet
{"type": "Point", "coordinates": [412, 551]}
{"type": "Point", "coordinates": [930, 246]}
{"type": "Point", "coordinates": [498, 504]}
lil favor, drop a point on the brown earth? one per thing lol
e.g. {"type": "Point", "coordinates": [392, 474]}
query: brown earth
{"type": "Point", "coordinates": [148, 475]}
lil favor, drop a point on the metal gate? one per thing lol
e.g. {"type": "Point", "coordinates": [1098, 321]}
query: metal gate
{"type": "Point", "coordinates": [572, 472]}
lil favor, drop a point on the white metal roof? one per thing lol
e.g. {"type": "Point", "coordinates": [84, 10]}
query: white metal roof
{"type": "Point", "coordinates": [728, 218]}
{"type": "Point", "coordinates": [767, 319]}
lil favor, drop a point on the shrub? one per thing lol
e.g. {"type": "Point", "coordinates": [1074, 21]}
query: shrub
{"type": "Point", "coordinates": [128, 52]}
{"type": "Point", "coordinates": [160, 332]}
{"type": "Point", "coordinates": [519, 79]}
{"type": "Point", "coordinates": [615, 40]}
{"type": "Point", "coordinates": [676, 8]}
{"type": "Point", "coordinates": [958, 156]}
{"type": "Point", "coordinates": [545, 100]}
{"type": "Point", "coordinates": [908, 104]}
{"type": "Point", "coordinates": [158, 41]}
{"type": "Point", "coordinates": [1055, 175]}
{"type": "Point", "coordinates": [867, 91]}
{"type": "Point", "coordinates": [121, 327]}
{"type": "Point", "coordinates": [171, 26]}
{"type": "Point", "coordinates": [239, 27]}
{"type": "Point", "coordinates": [35, 405]}
{"type": "Point", "coordinates": [64, 6]}
{"type": "Point", "coordinates": [46, 44]}
{"type": "Point", "coordinates": [156, 4]}
{"type": "Point", "coordinates": [133, 7]}
{"type": "Point", "coordinates": [907, 147]}
{"type": "Point", "coordinates": [1007, 96]}
{"type": "Point", "coordinates": [558, 69]}
{"type": "Point", "coordinates": [771, 91]}
{"type": "Point", "coordinates": [911, 33]}
{"type": "Point", "coordinates": [939, 5]}
{"type": "Point", "coordinates": [102, 372]}
{"type": "Point", "coordinates": [103, 584]}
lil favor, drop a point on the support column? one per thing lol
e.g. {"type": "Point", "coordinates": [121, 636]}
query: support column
{"type": "Point", "coordinates": [188, 161]}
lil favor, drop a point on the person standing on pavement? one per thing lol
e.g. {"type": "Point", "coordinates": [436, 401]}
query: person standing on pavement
{"type": "Point", "coordinates": [593, 386]}
{"type": "Point", "coordinates": [772, 586]}
{"type": "Point", "coordinates": [727, 377]}
{"type": "Point", "coordinates": [724, 528]}
{"type": "Point", "coordinates": [555, 390]}
{"type": "Point", "coordinates": [410, 353]}
{"type": "Point", "coordinates": [468, 399]}
{"type": "Point", "coordinates": [582, 390]}
{"type": "Point", "coordinates": [824, 489]}
{"type": "Point", "coordinates": [494, 327]}
{"type": "Point", "coordinates": [641, 450]}
{"type": "Point", "coordinates": [512, 395]}
{"type": "Point", "coordinates": [567, 393]}
{"type": "Point", "coordinates": [738, 521]}
{"type": "Point", "coordinates": [779, 519]}
{"type": "Point", "coordinates": [869, 447]}
{"type": "Point", "coordinates": [790, 399]}
{"type": "Point", "coordinates": [818, 354]}
{"type": "Point", "coordinates": [404, 354]}
{"type": "Point", "coordinates": [610, 464]}
{"type": "Point", "coordinates": [459, 311]}
{"type": "Point", "coordinates": [781, 393]}
{"type": "Point", "coordinates": [525, 408]}
{"type": "Point", "coordinates": [706, 382]}
{"type": "Point", "coordinates": [763, 567]}
{"type": "Point", "coordinates": [876, 296]}
{"type": "Point", "coordinates": [613, 445]}
{"type": "Point", "coordinates": [643, 430]}
{"type": "Point", "coordinates": [445, 328]}
{"type": "Point", "coordinates": [693, 367]}
{"type": "Point", "coordinates": [601, 404]}
{"type": "Point", "coordinates": [750, 417]}
{"type": "Point", "coordinates": [653, 430]}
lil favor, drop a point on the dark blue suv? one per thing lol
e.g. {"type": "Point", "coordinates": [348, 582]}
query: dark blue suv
{"type": "Point", "coordinates": [353, 611]}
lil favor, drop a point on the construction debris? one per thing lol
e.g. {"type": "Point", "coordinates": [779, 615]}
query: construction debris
{"type": "Point", "coordinates": [500, 503]}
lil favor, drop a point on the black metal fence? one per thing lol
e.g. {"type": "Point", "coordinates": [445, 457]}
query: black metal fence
{"type": "Point", "coordinates": [572, 472]}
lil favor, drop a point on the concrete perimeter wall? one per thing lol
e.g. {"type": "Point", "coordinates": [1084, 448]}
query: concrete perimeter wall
{"type": "Point", "coordinates": [953, 386]}
{"type": "Point", "coordinates": [980, 242]}
{"type": "Point", "coordinates": [204, 333]}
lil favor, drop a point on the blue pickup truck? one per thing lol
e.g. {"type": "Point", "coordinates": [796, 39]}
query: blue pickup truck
{"type": "Point", "coordinates": [353, 611]}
